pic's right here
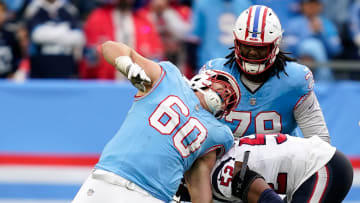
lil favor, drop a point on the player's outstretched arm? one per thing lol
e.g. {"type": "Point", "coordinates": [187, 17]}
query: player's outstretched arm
{"type": "Point", "coordinates": [198, 178]}
{"type": "Point", "coordinates": [141, 72]}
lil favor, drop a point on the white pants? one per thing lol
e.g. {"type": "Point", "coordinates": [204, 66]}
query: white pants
{"type": "Point", "coordinates": [106, 187]}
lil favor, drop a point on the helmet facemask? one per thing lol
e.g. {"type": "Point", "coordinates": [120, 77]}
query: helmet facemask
{"type": "Point", "coordinates": [257, 65]}
{"type": "Point", "coordinates": [226, 93]}
{"type": "Point", "coordinates": [257, 26]}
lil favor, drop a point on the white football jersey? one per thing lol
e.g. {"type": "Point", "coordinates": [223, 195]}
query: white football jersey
{"type": "Point", "coordinates": [284, 161]}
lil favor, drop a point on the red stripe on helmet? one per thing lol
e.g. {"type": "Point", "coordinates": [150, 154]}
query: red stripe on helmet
{"type": "Point", "coordinates": [263, 24]}
{"type": "Point", "coordinates": [248, 23]}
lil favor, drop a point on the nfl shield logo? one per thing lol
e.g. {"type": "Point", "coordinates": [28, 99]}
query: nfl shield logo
{"type": "Point", "coordinates": [252, 101]}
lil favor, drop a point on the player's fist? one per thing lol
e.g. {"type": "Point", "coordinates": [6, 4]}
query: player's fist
{"type": "Point", "coordinates": [133, 72]}
{"type": "Point", "coordinates": [138, 77]}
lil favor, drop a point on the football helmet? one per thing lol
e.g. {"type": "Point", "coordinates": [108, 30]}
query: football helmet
{"type": "Point", "coordinates": [220, 102]}
{"type": "Point", "coordinates": [257, 26]}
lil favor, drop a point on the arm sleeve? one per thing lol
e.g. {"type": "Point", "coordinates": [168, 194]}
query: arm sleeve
{"type": "Point", "coordinates": [310, 118]}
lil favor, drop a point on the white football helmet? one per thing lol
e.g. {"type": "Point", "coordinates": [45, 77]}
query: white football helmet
{"type": "Point", "coordinates": [220, 103]}
{"type": "Point", "coordinates": [257, 26]}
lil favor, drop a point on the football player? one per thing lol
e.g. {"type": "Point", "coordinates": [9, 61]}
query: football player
{"type": "Point", "coordinates": [277, 93]}
{"type": "Point", "coordinates": [170, 129]}
{"type": "Point", "coordinates": [305, 170]}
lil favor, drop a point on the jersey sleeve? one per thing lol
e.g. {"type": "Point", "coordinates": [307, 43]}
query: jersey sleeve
{"type": "Point", "coordinates": [170, 77]}
{"type": "Point", "coordinates": [169, 67]}
{"type": "Point", "coordinates": [172, 74]}
{"type": "Point", "coordinates": [300, 80]}
{"type": "Point", "coordinates": [215, 64]}
{"type": "Point", "coordinates": [224, 137]}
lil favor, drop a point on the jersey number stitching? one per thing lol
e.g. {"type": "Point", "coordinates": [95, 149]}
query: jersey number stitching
{"type": "Point", "coordinates": [260, 139]}
{"type": "Point", "coordinates": [166, 119]}
{"type": "Point", "coordinates": [226, 176]}
{"type": "Point", "coordinates": [244, 118]}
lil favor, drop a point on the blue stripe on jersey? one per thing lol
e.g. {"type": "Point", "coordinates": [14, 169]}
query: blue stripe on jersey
{"type": "Point", "coordinates": [256, 21]}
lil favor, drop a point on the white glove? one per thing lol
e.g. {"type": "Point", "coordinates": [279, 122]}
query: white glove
{"type": "Point", "coordinates": [138, 77]}
{"type": "Point", "coordinates": [133, 72]}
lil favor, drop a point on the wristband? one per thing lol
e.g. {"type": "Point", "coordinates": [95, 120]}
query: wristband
{"type": "Point", "coordinates": [123, 63]}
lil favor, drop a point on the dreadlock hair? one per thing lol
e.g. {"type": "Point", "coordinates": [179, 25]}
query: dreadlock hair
{"type": "Point", "coordinates": [278, 66]}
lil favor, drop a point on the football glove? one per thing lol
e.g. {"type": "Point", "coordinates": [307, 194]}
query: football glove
{"type": "Point", "coordinates": [133, 72]}
{"type": "Point", "coordinates": [138, 77]}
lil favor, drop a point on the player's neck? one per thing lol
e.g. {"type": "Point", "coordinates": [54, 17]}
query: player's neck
{"type": "Point", "coordinates": [259, 79]}
{"type": "Point", "coordinates": [253, 86]}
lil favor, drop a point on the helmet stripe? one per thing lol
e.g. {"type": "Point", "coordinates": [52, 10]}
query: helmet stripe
{"type": "Point", "coordinates": [263, 24]}
{"type": "Point", "coordinates": [248, 23]}
{"type": "Point", "coordinates": [256, 21]}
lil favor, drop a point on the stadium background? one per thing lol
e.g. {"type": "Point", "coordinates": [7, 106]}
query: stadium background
{"type": "Point", "coordinates": [53, 131]}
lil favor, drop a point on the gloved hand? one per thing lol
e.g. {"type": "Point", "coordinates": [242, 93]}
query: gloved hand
{"type": "Point", "coordinates": [133, 72]}
{"type": "Point", "coordinates": [138, 77]}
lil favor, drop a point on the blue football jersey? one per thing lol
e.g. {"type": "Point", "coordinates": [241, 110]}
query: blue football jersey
{"type": "Point", "coordinates": [270, 108]}
{"type": "Point", "coordinates": [163, 134]}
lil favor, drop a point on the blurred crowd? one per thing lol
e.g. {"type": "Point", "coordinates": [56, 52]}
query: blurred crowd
{"type": "Point", "coordinates": [46, 39]}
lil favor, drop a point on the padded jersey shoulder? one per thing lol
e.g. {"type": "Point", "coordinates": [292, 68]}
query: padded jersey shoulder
{"type": "Point", "coordinates": [299, 78]}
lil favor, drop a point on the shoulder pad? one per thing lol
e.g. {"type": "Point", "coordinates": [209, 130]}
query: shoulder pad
{"type": "Point", "coordinates": [300, 77]}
